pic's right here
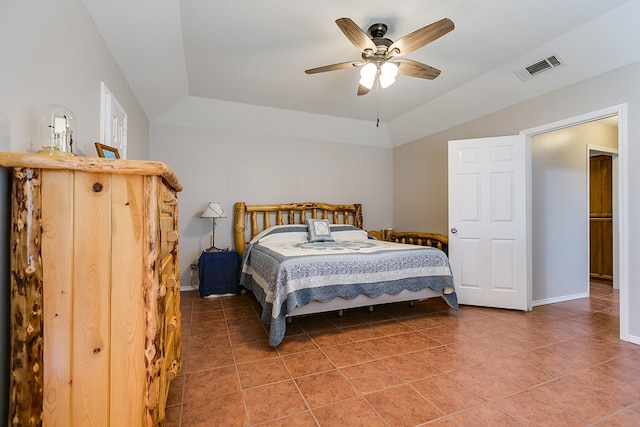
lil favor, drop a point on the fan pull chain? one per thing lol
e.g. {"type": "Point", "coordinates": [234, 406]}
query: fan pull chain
{"type": "Point", "coordinates": [377, 103]}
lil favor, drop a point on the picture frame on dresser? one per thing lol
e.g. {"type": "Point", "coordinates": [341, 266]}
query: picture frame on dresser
{"type": "Point", "coordinates": [106, 151]}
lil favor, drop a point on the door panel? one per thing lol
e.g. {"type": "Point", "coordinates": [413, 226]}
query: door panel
{"type": "Point", "coordinates": [488, 221]}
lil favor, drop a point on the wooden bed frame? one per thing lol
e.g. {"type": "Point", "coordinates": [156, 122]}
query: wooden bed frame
{"type": "Point", "coordinates": [250, 220]}
{"type": "Point", "coordinates": [261, 217]}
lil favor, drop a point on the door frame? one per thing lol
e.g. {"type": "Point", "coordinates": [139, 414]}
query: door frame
{"type": "Point", "coordinates": [622, 194]}
{"type": "Point", "coordinates": [613, 153]}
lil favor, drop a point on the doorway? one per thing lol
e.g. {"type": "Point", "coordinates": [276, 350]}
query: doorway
{"type": "Point", "coordinates": [602, 215]}
{"type": "Point", "coordinates": [621, 202]}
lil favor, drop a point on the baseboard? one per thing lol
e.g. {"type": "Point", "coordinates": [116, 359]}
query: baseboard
{"type": "Point", "coordinates": [559, 299]}
{"type": "Point", "coordinates": [634, 340]}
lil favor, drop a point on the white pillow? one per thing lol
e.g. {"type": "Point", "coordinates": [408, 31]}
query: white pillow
{"type": "Point", "coordinates": [319, 230]}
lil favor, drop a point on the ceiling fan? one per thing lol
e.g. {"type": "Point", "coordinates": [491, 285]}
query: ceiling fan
{"type": "Point", "coordinates": [381, 57]}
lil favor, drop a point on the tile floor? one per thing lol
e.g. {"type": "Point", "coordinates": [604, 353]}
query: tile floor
{"type": "Point", "coordinates": [559, 365]}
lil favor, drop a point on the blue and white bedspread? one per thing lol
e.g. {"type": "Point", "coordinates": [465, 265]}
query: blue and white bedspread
{"type": "Point", "coordinates": [284, 270]}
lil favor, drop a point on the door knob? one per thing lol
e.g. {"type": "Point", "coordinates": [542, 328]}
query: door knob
{"type": "Point", "coordinates": [454, 231]}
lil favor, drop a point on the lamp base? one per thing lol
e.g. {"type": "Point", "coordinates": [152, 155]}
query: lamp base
{"type": "Point", "coordinates": [55, 152]}
{"type": "Point", "coordinates": [213, 249]}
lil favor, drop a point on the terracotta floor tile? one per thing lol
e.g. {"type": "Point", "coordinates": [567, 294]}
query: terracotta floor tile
{"type": "Point", "coordinates": [393, 327]}
{"type": "Point", "coordinates": [477, 350]}
{"type": "Point", "coordinates": [204, 327]}
{"type": "Point", "coordinates": [410, 367]}
{"type": "Point", "coordinates": [445, 334]}
{"type": "Point", "coordinates": [206, 304]}
{"type": "Point", "coordinates": [303, 419]}
{"type": "Point", "coordinates": [560, 364]}
{"type": "Point", "coordinates": [349, 413]}
{"type": "Point", "coordinates": [174, 397]}
{"type": "Point", "coordinates": [487, 415]}
{"type": "Point", "coordinates": [549, 361]}
{"type": "Point", "coordinates": [325, 388]}
{"type": "Point", "coordinates": [330, 338]}
{"type": "Point", "coordinates": [308, 362]}
{"type": "Point", "coordinates": [296, 344]}
{"type": "Point", "coordinates": [204, 384]}
{"type": "Point", "coordinates": [625, 418]}
{"type": "Point", "coordinates": [531, 409]}
{"type": "Point", "coordinates": [294, 329]}
{"type": "Point", "coordinates": [576, 400]}
{"type": "Point", "coordinates": [314, 323]}
{"type": "Point", "coordinates": [402, 406]}
{"type": "Point", "coordinates": [446, 359]}
{"type": "Point", "coordinates": [226, 410]}
{"type": "Point", "coordinates": [213, 339]}
{"type": "Point", "coordinates": [370, 376]}
{"type": "Point", "coordinates": [603, 385]}
{"type": "Point", "coordinates": [622, 368]}
{"type": "Point", "coordinates": [442, 422]}
{"type": "Point", "coordinates": [247, 335]}
{"type": "Point", "coordinates": [262, 372]}
{"type": "Point", "coordinates": [362, 332]}
{"type": "Point", "coordinates": [414, 341]}
{"type": "Point", "coordinates": [273, 401]}
{"type": "Point", "coordinates": [447, 394]}
{"type": "Point", "coordinates": [383, 347]}
{"type": "Point", "coordinates": [347, 354]}
{"type": "Point", "coordinates": [515, 370]}
{"type": "Point", "coordinates": [488, 382]}
{"type": "Point", "coordinates": [253, 351]}
{"type": "Point", "coordinates": [420, 322]}
{"type": "Point", "coordinates": [172, 416]}
{"type": "Point", "coordinates": [203, 360]}
{"type": "Point", "coordinates": [208, 315]}
{"type": "Point", "coordinates": [241, 312]}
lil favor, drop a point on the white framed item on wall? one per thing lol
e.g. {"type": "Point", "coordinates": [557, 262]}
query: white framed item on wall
{"type": "Point", "coordinates": [113, 122]}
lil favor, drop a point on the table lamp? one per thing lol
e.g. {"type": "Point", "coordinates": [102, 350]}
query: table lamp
{"type": "Point", "coordinates": [213, 210]}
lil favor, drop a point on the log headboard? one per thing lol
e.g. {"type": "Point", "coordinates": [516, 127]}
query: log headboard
{"type": "Point", "coordinates": [260, 217]}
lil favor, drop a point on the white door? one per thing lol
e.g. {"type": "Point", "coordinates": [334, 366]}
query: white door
{"type": "Point", "coordinates": [488, 221]}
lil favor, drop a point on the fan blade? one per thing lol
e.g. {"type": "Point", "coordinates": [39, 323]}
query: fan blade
{"type": "Point", "coordinates": [332, 67]}
{"type": "Point", "coordinates": [412, 68]}
{"type": "Point", "coordinates": [421, 37]}
{"type": "Point", "coordinates": [363, 90]}
{"type": "Point", "coordinates": [359, 38]}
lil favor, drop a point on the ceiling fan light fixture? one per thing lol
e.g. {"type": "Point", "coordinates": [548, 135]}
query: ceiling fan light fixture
{"type": "Point", "coordinates": [388, 73]}
{"type": "Point", "coordinates": [368, 75]}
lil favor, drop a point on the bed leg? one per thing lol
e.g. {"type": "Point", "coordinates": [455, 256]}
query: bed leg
{"type": "Point", "coordinates": [289, 320]}
{"type": "Point", "coordinates": [412, 303]}
{"type": "Point", "coordinates": [370, 309]}
{"type": "Point", "coordinates": [340, 313]}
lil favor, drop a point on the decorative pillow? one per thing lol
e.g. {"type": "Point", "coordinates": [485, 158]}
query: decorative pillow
{"type": "Point", "coordinates": [319, 230]}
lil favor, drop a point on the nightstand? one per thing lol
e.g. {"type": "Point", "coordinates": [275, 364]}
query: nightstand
{"type": "Point", "coordinates": [218, 272]}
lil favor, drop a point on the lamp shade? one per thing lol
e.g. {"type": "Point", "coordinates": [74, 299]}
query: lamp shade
{"type": "Point", "coordinates": [388, 73]}
{"type": "Point", "coordinates": [213, 210]}
{"type": "Point", "coordinates": [368, 75]}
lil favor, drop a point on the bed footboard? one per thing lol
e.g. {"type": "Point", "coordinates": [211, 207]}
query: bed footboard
{"type": "Point", "coordinates": [419, 238]}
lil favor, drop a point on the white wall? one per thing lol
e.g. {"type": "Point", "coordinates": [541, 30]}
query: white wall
{"type": "Point", "coordinates": [560, 207]}
{"type": "Point", "coordinates": [606, 90]}
{"type": "Point", "coordinates": [237, 165]}
{"type": "Point", "coordinates": [52, 53]}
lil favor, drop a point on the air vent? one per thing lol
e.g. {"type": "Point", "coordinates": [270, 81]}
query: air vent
{"type": "Point", "coordinates": [539, 67]}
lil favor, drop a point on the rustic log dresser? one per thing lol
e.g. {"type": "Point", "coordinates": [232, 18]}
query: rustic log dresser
{"type": "Point", "coordinates": [95, 302]}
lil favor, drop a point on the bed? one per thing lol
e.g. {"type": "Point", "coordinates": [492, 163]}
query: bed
{"type": "Point", "coordinates": [304, 258]}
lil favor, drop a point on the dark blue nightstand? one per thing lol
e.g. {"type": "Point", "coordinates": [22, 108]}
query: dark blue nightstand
{"type": "Point", "coordinates": [218, 272]}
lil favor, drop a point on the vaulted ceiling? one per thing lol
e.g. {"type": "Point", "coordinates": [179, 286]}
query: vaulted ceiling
{"type": "Point", "coordinates": [255, 52]}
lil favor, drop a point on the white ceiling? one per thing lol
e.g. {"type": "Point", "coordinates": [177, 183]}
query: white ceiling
{"type": "Point", "coordinates": [255, 52]}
